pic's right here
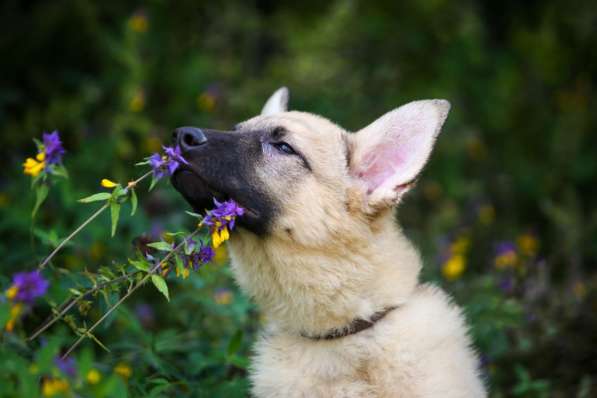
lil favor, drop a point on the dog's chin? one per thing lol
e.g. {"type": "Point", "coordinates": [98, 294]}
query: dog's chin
{"type": "Point", "coordinates": [195, 190]}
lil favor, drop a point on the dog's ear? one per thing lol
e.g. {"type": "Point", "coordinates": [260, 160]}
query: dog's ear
{"type": "Point", "coordinates": [388, 154]}
{"type": "Point", "coordinates": [277, 103]}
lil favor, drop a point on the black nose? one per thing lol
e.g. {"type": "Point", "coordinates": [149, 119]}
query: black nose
{"type": "Point", "coordinates": [189, 137]}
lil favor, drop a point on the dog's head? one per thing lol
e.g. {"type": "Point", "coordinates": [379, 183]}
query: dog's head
{"type": "Point", "coordinates": [302, 177]}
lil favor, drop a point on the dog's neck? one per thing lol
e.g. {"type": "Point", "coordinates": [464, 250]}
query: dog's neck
{"type": "Point", "coordinates": [312, 291]}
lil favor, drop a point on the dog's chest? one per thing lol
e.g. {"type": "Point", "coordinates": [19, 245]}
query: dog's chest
{"type": "Point", "coordinates": [296, 367]}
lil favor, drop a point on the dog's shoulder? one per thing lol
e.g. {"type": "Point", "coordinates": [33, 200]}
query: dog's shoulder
{"type": "Point", "coordinates": [432, 315]}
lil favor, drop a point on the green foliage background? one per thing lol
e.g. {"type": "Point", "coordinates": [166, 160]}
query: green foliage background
{"type": "Point", "coordinates": [519, 143]}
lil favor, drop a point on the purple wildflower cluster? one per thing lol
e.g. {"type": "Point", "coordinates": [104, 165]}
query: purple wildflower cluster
{"type": "Point", "coordinates": [505, 248]}
{"type": "Point", "coordinates": [198, 257]}
{"type": "Point", "coordinates": [166, 165]}
{"type": "Point", "coordinates": [53, 148]}
{"type": "Point", "coordinates": [28, 286]}
{"type": "Point", "coordinates": [224, 215]}
{"type": "Point", "coordinates": [66, 365]}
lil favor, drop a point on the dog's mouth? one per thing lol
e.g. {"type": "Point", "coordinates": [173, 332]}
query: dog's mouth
{"type": "Point", "coordinates": [199, 193]}
{"type": "Point", "coordinates": [196, 191]}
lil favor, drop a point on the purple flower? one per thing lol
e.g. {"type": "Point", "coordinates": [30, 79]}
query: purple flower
{"type": "Point", "coordinates": [504, 247]}
{"type": "Point", "coordinates": [199, 257]}
{"type": "Point", "coordinates": [53, 147]}
{"type": "Point", "coordinates": [224, 215]}
{"type": "Point", "coordinates": [66, 365]}
{"type": "Point", "coordinates": [29, 286]}
{"type": "Point", "coordinates": [167, 164]}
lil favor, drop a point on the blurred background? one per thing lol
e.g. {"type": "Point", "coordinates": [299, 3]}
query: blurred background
{"type": "Point", "coordinates": [505, 213]}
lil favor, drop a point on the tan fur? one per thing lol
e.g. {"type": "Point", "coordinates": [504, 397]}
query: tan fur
{"type": "Point", "coordinates": [328, 261]}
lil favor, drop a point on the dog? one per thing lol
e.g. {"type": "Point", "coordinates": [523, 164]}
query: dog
{"type": "Point", "coordinates": [319, 251]}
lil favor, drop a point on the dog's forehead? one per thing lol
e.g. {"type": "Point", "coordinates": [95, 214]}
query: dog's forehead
{"type": "Point", "coordinates": [301, 125]}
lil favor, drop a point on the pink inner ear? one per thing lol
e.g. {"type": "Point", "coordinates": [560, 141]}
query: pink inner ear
{"type": "Point", "coordinates": [381, 165]}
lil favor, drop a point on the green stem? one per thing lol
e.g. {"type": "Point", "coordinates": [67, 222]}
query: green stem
{"type": "Point", "coordinates": [68, 304]}
{"type": "Point", "coordinates": [99, 211]}
{"type": "Point", "coordinates": [131, 291]}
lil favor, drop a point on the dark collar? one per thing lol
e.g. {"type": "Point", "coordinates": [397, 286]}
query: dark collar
{"type": "Point", "coordinates": [357, 325]}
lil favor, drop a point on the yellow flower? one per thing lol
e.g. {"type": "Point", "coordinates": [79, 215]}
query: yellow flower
{"type": "Point", "coordinates": [93, 376]}
{"type": "Point", "coordinates": [505, 260]}
{"type": "Point", "coordinates": [123, 370]}
{"type": "Point", "coordinates": [454, 267]}
{"type": "Point", "coordinates": [528, 244]}
{"type": "Point", "coordinates": [219, 236]}
{"type": "Point", "coordinates": [15, 312]}
{"type": "Point", "coordinates": [33, 167]}
{"type": "Point", "coordinates": [137, 103]}
{"type": "Point", "coordinates": [108, 184]}
{"type": "Point", "coordinates": [184, 273]}
{"type": "Point", "coordinates": [51, 387]}
{"type": "Point", "coordinates": [11, 292]}
{"type": "Point", "coordinates": [138, 22]}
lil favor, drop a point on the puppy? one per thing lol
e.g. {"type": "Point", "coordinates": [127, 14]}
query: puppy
{"type": "Point", "coordinates": [321, 254]}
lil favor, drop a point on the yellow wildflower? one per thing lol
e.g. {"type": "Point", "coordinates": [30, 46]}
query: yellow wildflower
{"type": "Point", "coordinates": [137, 103]}
{"type": "Point", "coordinates": [108, 183]}
{"type": "Point", "coordinates": [123, 370]}
{"type": "Point", "coordinates": [528, 244]}
{"type": "Point", "coordinates": [11, 292]}
{"type": "Point", "coordinates": [93, 376]}
{"type": "Point", "coordinates": [138, 22]}
{"type": "Point", "coordinates": [454, 267]}
{"type": "Point", "coordinates": [505, 260]}
{"type": "Point", "coordinates": [219, 236]}
{"type": "Point", "coordinates": [33, 167]}
{"type": "Point", "coordinates": [15, 312]}
{"type": "Point", "coordinates": [51, 387]}
{"type": "Point", "coordinates": [184, 273]}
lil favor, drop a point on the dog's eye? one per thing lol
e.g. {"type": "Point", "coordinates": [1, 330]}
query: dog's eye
{"type": "Point", "coordinates": [284, 148]}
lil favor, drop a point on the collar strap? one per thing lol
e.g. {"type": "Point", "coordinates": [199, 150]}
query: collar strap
{"type": "Point", "coordinates": [354, 327]}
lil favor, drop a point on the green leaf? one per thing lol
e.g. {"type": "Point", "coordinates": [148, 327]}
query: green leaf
{"type": "Point", "coordinates": [161, 285]}
{"type": "Point", "coordinates": [96, 197]}
{"type": "Point", "coordinates": [41, 193]}
{"type": "Point", "coordinates": [60, 171]}
{"type": "Point", "coordinates": [118, 191]}
{"type": "Point", "coordinates": [114, 213]}
{"type": "Point", "coordinates": [141, 265]}
{"type": "Point", "coordinates": [133, 202]}
{"type": "Point", "coordinates": [153, 182]}
{"type": "Point", "coordinates": [235, 341]}
{"type": "Point", "coordinates": [190, 213]}
{"type": "Point", "coordinates": [162, 246]}
{"type": "Point", "coordinates": [4, 314]}
{"type": "Point", "coordinates": [179, 265]}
